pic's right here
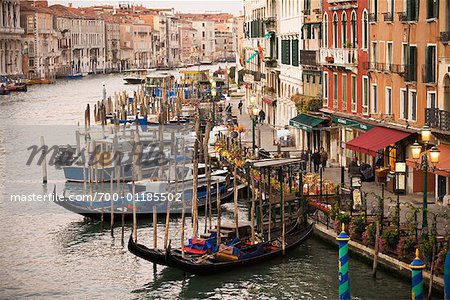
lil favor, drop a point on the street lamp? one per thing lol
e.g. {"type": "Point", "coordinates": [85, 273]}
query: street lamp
{"type": "Point", "coordinates": [213, 97]}
{"type": "Point", "coordinates": [228, 79]}
{"type": "Point", "coordinates": [255, 112]}
{"type": "Point", "coordinates": [424, 165]}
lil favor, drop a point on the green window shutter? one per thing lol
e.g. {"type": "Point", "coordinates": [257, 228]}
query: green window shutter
{"type": "Point", "coordinates": [413, 63]}
{"type": "Point", "coordinates": [295, 52]}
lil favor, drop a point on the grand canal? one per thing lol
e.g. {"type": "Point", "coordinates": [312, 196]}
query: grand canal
{"type": "Point", "coordinates": [48, 252]}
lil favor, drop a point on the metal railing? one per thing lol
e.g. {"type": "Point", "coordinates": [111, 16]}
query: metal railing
{"type": "Point", "coordinates": [308, 57]}
{"type": "Point", "coordinates": [373, 17]}
{"type": "Point", "coordinates": [445, 36]}
{"type": "Point", "coordinates": [437, 118]}
{"type": "Point", "coordinates": [388, 17]}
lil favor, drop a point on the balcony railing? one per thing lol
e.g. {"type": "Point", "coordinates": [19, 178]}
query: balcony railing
{"type": "Point", "coordinates": [436, 118]}
{"type": "Point", "coordinates": [339, 57]}
{"type": "Point", "coordinates": [428, 74]}
{"type": "Point", "coordinates": [373, 17]}
{"type": "Point", "coordinates": [308, 57]}
{"type": "Point", "coordinates": [270, 23]}
{"type": "Point", "coordinates": [402, 16]}
{"type": "Point", "coordinates": [388, 17]}
{"type": "Point", "coordinates": [271, 62]}
{"type": "Point", "coordinates": [445, 36]}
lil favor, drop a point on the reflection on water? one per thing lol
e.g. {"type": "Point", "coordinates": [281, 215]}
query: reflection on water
{"type": "Point", "coordinates": [50, 252]}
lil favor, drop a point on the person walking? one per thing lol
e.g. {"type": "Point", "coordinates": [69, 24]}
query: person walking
{"type": "Point", "coordinates": [316, 160]}
{"type": "Point", "coordinates": [323, 158]}
{"type": "Point", "coordinates": [240, 105]}
{"type": "Point", "coordinates": [262, 116]}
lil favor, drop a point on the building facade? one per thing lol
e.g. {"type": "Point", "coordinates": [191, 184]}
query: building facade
{"type": "Point", "coordinates": [10, 38]}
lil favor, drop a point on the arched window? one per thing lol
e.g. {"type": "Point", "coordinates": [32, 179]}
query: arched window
{"type": "Point", "coordinates": [344, 28]}
{"type": "Point", "coordinates": [335, 30]}
{"type": "Point", "coordinates": [325, 31]}
{"type": "Point", "coordinates": [365, 32]}
{"type": "Point", "coordinates": [353, 29]}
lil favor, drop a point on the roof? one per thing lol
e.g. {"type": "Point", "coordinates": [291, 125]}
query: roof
{"type": "Point", "coordinates": [279, 162]}
{"type": "Point", "coordinates": [375, 139]}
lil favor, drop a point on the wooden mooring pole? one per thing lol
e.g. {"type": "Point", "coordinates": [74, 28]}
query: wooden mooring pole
{"type": "Point", "coordinates": [44, 161]}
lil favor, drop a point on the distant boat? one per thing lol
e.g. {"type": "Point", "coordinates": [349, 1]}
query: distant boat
{"type": "Point", "coordinates": [206, 62]}
{"type": "Point", "coordinates": [74, 76]}
{"type": "Point", "coordinates": [17, 87]}
{"type": "Point", "coordinates": [4, 91]}
{"type": "Point", "coordinates": [136, 76]}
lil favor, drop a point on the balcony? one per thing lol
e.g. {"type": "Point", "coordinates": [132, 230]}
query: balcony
{"type": "Point", "coordinates": [402, 16]}
{"type": "Point", "coordinates": [445, 37]}
{"type": "Point", "coordinates": [388, 17]}
{"type": "Point", "coordinates": [271, 24]}
{"type": "Point", "coordinates": [347, 58]}
{"type": "Point", "coordinates": [438, 119]}
{"type": "Point", "coordinates": [271, 62]}
{"type": "Point", "coordinates": [428, 74]}
{"type": "Point", "coordinates": [308, 57]}
{"type": "Point", "coordinates": [373, 17]}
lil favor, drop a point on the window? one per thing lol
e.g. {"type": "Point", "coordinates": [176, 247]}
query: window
{"type": "Point", "coordinates": [286, 52]}
{"type": "Point", "coordinates": [335, 90]}
{"type": "Point", "coordinates": [335, 31]}
{"type": "Point", "coordinates": [353, 29]}
{"type": "Point", "coordinates": [410, 61]}
{"type": "Point", "coordinates": [431, 100]}
{"type": "Point", "coordinates": [344, 29]}
{"type": "Point", "coordinates": [374, 53]}
{"type": "Point", "coordinates": [413, 105]}
{"type": "Point", "coordinates": [325, 31]}
{"type": "Point", "coordinates": [412, 10]}
{"type": "Point", "coordinates": [365, 30]}
{"type": "Point", "coordinates": [365, 91]}
{"type": "Point", "coordinates": [353, 93]}
{"type": "Point", "coordinates": [389, 56]}
{"type": "Point", "coordinates": [295, 52]}
{"type": "Point", "coordinates": [391, 4]}
{"type": "Point", "coordinates": [325, 89]}
{"type": "Point", "coordinates": [344, 91]}
{"type": "Point", "coordinates": [432, 10]}
{"type": "Point", "coordinates": [374, 11]}
{"type": "Point", "coordinates": [388, 101]}
{"type": "Point", "coordinates": [403, 105]}
{"type": "Point", "coordinates": [430, 64]}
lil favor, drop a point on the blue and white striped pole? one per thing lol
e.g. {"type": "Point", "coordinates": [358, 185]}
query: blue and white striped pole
{"type": "Point", "coordinates": [447, 276]}
{"type": "Point", "coordinates": [344, 283]}
{"type": "Point", "coordinates": [417, 267]}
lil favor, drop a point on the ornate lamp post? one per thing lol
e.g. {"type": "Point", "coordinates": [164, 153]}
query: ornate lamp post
{"type": "Point", "coordinates": [423, 163]}
{"type": "Point", "coordinates": [213, 99]}
{"type": "Point", "coordinates": [228, 79]}
{"type": "Point", "coordinates": [254, 112]}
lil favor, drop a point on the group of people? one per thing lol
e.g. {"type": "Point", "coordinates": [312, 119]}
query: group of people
{"type": "Point", "coordinates": [319, 159]}
{"type": "Point", "coordinates": [261, 115]}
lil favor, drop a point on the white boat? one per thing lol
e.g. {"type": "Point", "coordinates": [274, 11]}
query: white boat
{"type": "Point", "coordinates": [136, 76]}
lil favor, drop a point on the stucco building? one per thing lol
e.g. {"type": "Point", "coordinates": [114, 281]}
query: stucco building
{"type": "Point", "coordinates": [10, 38]}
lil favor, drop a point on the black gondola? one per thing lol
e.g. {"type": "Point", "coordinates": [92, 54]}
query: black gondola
{"type": "Point", "coordinates": [156, 256]}
{"type": "Point", "coordinates": [210, 267]}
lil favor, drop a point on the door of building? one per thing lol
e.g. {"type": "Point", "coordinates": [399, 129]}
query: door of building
{"type": "Point", "coordinates": [441, 187]}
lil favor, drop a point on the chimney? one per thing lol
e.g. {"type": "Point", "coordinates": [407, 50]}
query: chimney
{"type": "Point", "coordinates": [70, 5]}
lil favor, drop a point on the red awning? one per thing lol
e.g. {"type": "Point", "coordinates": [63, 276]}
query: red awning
{"type": "Point", "coordinates": [268, 100]}
{"type": "Point", "coordinates": [443, 167]}
{"type": "Point", "coordinates": [375, 139]}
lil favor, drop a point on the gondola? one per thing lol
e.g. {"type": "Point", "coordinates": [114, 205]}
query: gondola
{"type": "Point", "coordinates": [156, 256]}
{"type": "Point", "coordinates": [211, 266]}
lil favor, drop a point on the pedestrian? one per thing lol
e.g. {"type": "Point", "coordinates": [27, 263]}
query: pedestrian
{"type": "Point", "coordinates": [353, 167]}
{"type": "Point", "coordinates": [240, 105]}
{"type": "Point", "coordinates": [323, 158]}
{"type": "Point", "coordinates": [228, 109]}
{"type": "Point", "coordinates": [316, 160]}
{"type": "Point", "coordinates": [262, 116]}
{"type": "Point", "coordinates": [305, 158]}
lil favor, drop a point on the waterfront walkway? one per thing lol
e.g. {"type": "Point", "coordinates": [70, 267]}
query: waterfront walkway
{"type": "Point", "coordinates": [334, 173]}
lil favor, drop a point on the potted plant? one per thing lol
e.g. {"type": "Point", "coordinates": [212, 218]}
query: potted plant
{"type": "Point", "coordinates": [368, 236]}
{"type": "Point", "coordinates": [390, 238]}
{"type": "Point", "coordinates": [406, 247]}
{"type": "Point", "coordinates": [357, 227]}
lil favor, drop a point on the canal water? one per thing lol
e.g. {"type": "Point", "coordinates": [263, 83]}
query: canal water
{"type": "Point", "coordinates": [48, 252]}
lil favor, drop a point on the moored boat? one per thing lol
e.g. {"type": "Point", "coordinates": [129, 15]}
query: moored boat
{"type": "Point", "coordinates": [253, 254]}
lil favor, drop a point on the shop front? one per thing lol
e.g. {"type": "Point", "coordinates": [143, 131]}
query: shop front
{"type": "Point", "coordinates": [381, 148]}
{"type": "Point", "coordinates": [343, 131]}
{"type": "Point", "coordinates": [308, 131]}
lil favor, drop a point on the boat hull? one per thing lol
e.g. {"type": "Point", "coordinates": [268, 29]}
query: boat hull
{"type": "Point", "coordinates": [133, 80]}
